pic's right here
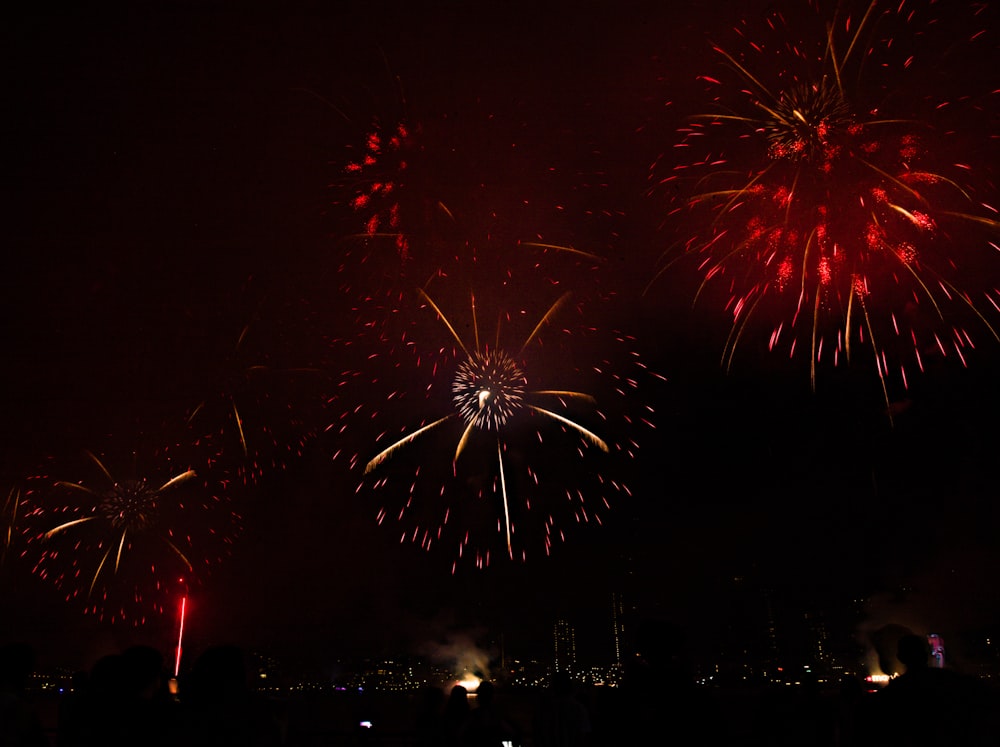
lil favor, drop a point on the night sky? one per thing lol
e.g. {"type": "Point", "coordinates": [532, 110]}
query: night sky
{"type": "Point", "coordinates": [176, 174]}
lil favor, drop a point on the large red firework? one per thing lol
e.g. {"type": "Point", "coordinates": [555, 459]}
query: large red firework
{"type": "Point", "coordinates": [835, 203]}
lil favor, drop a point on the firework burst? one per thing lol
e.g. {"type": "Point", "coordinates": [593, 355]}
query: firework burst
{"type": "Point", "coordinates": [524, 461]}
{"type": "Point", "coordinates": [386, 192]}
{"type": "Point", "coordinates": [387, 181]}
{"type": "Point", "coordinates": [125, 548]}
{"type": "Point", "coordinates": [833, 206]}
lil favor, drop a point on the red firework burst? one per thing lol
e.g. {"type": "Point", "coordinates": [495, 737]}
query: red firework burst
{"type": "Point", "coordinates": [378, 178]}
{"type": "Point", "coordinates": [829, 196]}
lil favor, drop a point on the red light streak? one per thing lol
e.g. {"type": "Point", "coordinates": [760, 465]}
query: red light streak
{"type": "Point", "coordinates": [180, 638]}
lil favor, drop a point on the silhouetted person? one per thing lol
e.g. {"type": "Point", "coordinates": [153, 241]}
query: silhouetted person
{"type": "Point", "coordinates": [122, 701]}
{"type": "Point", "coordinates": [428, 726]}
{"type": "Point", "coordinates": [218, 706]}
{"type": "Point", "coordinates": [72, 713]}
{"type": "Point", "coordinates": [848, 713]}
{"type": "Point", "coordinates": [20, 723]}
{"type": "Point", "coordinates": [456, 712]}
{"type": "Point", "coordinates": [658, 699]}
{"type": "Point", "coordinates": [148, 713]}
{"type": "Point", "coordinates": [794, 715]}
{"type": "Point", "coordinates": [100, 706]}
{"type": "Point", "coordinates": [561, 720]}
{"type": "Point", "coordinates": [885, 643]}
{"type": "Point", "coordinates": [927, 707]}
{"type": "Point", "coordinates": [486, 725]}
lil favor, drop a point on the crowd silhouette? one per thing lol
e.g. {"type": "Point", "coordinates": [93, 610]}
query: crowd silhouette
{"type": "Point", "coordinates": [561, 719]}
{"type": "Point", "coordinates": [129, 698]}
{"type": "Point", "coordinates": [925, 705]}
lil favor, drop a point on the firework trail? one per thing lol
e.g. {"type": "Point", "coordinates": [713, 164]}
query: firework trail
{"type": "Point", "coordinates": [832, 207]}
{"type": "Point", "coordinates": [9, 520]}
{"type": "Point", "coordinates": [486, 462]}
{"type": "Point", "coordinates": [182, 615]}
{"type": "Point", "coordinates": [127, 547]}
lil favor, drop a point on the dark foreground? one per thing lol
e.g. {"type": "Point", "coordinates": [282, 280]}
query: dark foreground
{"type": "Point", "coordinates": [803, 716]}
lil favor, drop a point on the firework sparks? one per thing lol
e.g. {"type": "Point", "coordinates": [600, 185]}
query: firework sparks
{"type": "Point", "coordinates": [379, 179]}
{"type": "Point", "coordinates": [487, 391]}
{"type": "Point", "coordinates": [436, 189]}
{"type": "Point", "coordinates": [521, 458]}
{"type": "Point", "coordinates": [254, 413]}
{"type": "Point", "coordinates": [121, 545]}
{"type": "Point", "coordinates": [827, 212]}
{"type": "Point", "coordinates": [388, 184]}
{"type": "Point", "coordinates": [382, 177]}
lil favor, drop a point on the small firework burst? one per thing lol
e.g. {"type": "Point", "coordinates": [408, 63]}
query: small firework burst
{"type": "Point", "coordinates": [125, 547]}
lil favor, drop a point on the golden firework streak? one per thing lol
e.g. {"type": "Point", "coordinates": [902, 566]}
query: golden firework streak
{"type": "Point", "coordinates": [506, 508]}
{"type": "Point", "coordinates": [386, 453]}
{"type": "Point", "coordinates": [589, 435]}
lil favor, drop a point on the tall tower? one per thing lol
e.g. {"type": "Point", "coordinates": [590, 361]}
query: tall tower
{"type": "Point", "coordinates": [617, 626]}
{"type": "Point", "coordinates": [565, 646]}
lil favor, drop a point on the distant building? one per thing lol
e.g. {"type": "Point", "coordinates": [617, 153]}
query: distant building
{"type": "Point", "coordinates": [617, 627]}
{"type": "Point", "coordinates": [565, 647]}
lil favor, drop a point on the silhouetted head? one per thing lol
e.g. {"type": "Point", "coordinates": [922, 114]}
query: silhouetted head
{"type": "Point", "coordinates": [143, 670]}
{"type": "Point", "coordinates": [913, 651]}
{"type": "Point", "coordinates": [485, 693]}
{"type": "Point", "coordinates": [885, 643]}
{"type": "Point", "coordinates": [458, 699]}
{"type": "Point", "coordinates": [107, 676]}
